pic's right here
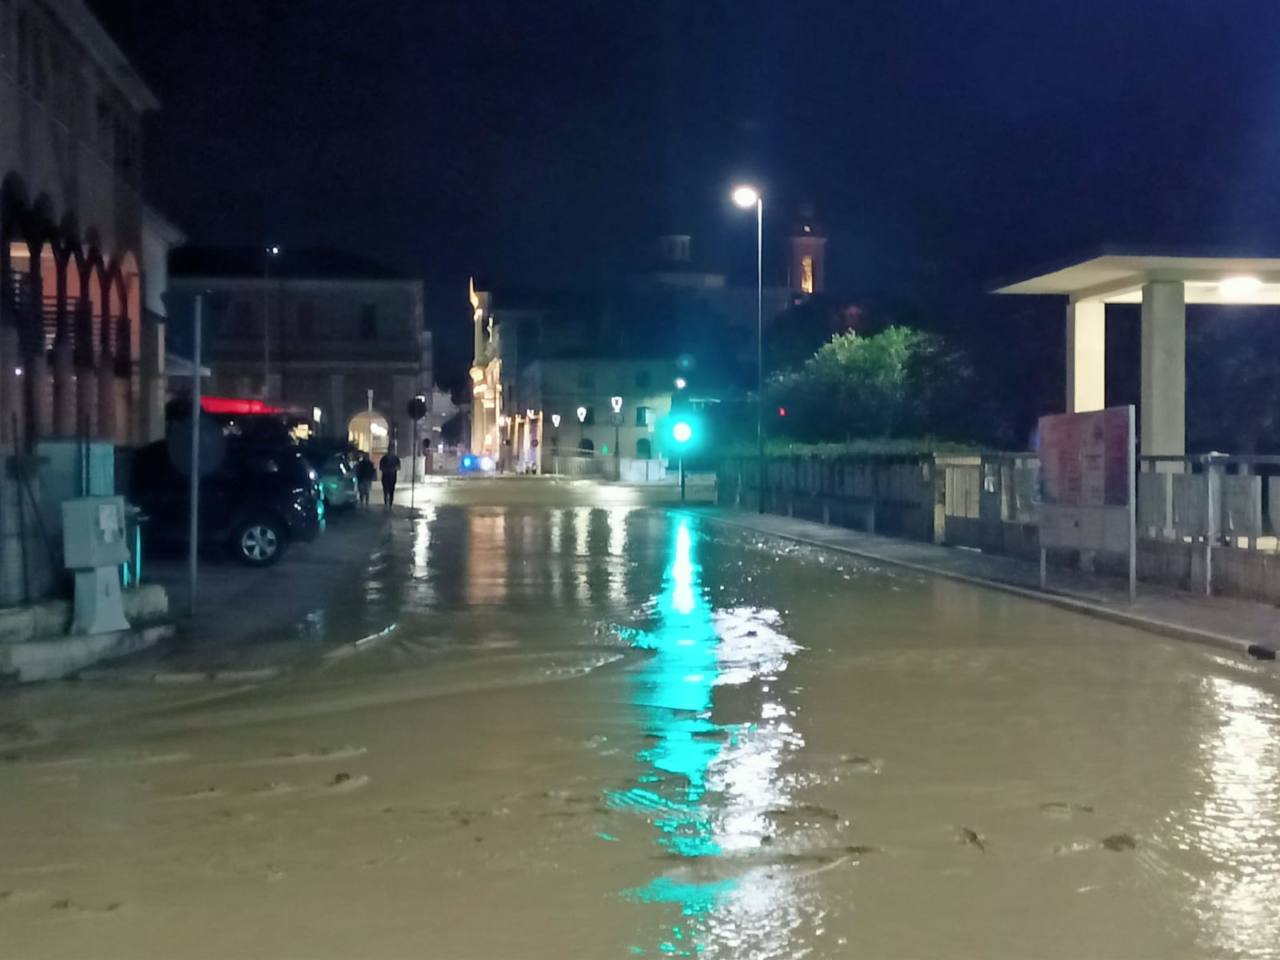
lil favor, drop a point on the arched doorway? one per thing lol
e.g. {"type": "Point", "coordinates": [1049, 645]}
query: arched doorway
{"type": "Point", "coordinates": [586, 446]}
{"type": "Point", "coordinates": [644, 449]}
{"type": "Point", "coordinates": [370, 433]}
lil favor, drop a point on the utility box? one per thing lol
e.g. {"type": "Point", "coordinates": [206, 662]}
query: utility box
{"type": "Point", "coordinates": [94, 547]}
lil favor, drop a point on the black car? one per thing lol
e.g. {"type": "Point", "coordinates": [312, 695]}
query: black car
{"type": "Point", "coordinates": [258, 500]}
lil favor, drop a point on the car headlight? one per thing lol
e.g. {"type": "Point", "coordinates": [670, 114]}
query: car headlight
{"type": "Point", "coordinates": [486, 463]}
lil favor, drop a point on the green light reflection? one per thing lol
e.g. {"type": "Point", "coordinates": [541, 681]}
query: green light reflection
{"type": "Point", "coordinates": [674, 694]}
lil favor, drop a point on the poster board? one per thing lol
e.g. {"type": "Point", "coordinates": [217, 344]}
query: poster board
{"type": "Point", "coordinates": [1088, 500]}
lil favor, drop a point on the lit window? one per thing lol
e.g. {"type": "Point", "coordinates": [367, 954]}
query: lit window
{"type": "Point", "coordinates": [806, 274]}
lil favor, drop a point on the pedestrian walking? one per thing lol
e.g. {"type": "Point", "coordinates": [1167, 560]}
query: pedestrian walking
{"type": "Point", "coordinates": [390, 469]}
{"type": "Point", "coordinates": [365, 473]}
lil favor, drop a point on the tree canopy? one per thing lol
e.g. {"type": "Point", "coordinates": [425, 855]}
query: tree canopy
{"type": "Point", "coordinates": [900, 382]}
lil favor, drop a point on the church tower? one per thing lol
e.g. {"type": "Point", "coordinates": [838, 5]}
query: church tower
{"type": "Point", "coordinates": [808, 255]}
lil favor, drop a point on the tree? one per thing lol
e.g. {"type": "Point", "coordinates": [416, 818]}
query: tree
{"type": "Point", "coordinates": [897, 383]}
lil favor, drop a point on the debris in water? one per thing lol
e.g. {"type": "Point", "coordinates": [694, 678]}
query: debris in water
{"type": "Point", "coordinates": [1118, 842]}
{"type": "Point", "coordinates": [972, 838]}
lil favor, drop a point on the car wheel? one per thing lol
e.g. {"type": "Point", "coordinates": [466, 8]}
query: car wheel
{"type": "Point", "coordinates": [259, 542]}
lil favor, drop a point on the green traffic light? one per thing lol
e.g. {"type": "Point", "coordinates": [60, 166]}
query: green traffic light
{"type": "Point", "coordinates": [682, 432]}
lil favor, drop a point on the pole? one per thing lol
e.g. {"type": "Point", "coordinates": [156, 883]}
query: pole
{"type": "Point", "coordinates": [266, 324]}
{"type": "Point", "coordinates": [759, 352]}
{"type": "Point", "coordinates": [617, 453]}
{"type": "Point", "coordinates": [682, 478]}
{"type": "Point", "coordinates": [193, 531]}
{"type": "Point", "coordinates": [1133, 510]}
{"type": "Point", "coordinates": [413, 474]}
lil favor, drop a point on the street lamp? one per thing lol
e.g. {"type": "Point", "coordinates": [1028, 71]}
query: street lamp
{"type": "Point", "coordinates": [555, 420]}
{"type": "Point", "coordinates": [582, 418]}
{"type": "Point", "coordinates": [681, 383]}
{"type": "Point", "coordinates": [271, 251]}
{"type": "Point", "coordinates": [746, 197]}
{"type": "Point", "coordinates": [616, 403]}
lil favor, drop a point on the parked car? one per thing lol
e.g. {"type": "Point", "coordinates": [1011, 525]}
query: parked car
{"type": "Point", "coordinates": [258, 501]}
{"type": "Point", "coordinates": [337, 482]}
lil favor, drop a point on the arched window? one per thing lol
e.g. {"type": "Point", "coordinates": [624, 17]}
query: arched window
{"type": "Point", "coordinates": [644, 449]}
{"type": "Point", "coordinates": [586, 446]}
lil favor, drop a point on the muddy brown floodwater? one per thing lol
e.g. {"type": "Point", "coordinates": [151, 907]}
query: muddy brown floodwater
{"type": "Point", "coordinates": [626, 732]}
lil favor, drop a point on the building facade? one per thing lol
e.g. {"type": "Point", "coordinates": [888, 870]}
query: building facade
{"type": "Point", "coordinates": [565, 407]}
{"type": "Point", "coordinates": [78, 357]}
{"type": "Point", "coordinates": [319, 331]}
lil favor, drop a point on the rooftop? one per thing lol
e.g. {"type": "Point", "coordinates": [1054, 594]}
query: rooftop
{"type": "Point", "coordinates": [296, 263]}
{"type": "Point", "coordinates": [1112, 276]}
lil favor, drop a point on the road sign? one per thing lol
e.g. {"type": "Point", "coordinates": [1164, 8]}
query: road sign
{"type": "Point", "coordinates": [417, 408]}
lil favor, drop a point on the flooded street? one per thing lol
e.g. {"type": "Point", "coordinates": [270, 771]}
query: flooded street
{"type": "Point", "coordinates": [582, 732]}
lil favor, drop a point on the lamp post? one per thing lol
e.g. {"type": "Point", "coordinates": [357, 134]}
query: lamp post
{"type": "Point", "coordinates": [271, 251]}
{"type": "Point", "coordinates": [555, 441]}
{"type": "Point", "coordinates": [616, 403]}
{"type": "Point", "coordinates": [747, 197]}
{"type": "Point", "coordinates": [582, 418]}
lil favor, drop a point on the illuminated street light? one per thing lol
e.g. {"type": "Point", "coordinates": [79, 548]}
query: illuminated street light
{"type": "Point", "coordinates": [616, 403]}
{"type": "Point", "coordinates": [681, 383]}
{"type": "Point", "coordinates": [316, 413]}
{"type": "Point", "coordinates": [555, 420]}
{"type": "Point", "coordinates": [746, 197]}
{"type": "Point", "coordinates": [1239, 288]}
{"type": "Point", "coordinates": [582, 414]}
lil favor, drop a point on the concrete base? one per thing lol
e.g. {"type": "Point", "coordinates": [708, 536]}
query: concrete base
{"type": "Point", "coordinates": [51, 619]}
{"type": "Point", "coordinates": [55, 659]}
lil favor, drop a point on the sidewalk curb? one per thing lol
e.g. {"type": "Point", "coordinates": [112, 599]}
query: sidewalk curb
{"type": "Point", "coordinates": [1063, 601]}
{"type": "Point", "coordinates": [364, 643]}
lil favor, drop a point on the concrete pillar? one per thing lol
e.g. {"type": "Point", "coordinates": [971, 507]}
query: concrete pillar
{"type": "Point", "coordinates": [1164, 369]}
{"type": "Point", "coordinates": [64, 390]}
{"type": "Point", "coordinates": [106, 398]}
{"type": "Point", "coordinates": [1086, 356]}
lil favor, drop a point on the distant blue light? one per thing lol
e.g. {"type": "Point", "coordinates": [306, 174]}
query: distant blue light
{"type": "Point", "coordinates": [468, 461]}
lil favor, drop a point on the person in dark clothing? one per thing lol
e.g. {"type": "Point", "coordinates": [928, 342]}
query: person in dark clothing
{"type": "Point", "coordinates": [390, 469]}
{"type": "Point", "coordinates": [365, 473]}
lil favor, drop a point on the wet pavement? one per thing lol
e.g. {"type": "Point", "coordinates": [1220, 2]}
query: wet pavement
{"type": "Point", "coordinates": [620, 731]}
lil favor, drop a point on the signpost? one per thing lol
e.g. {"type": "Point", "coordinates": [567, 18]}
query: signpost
{"type": "Point", "coordinates": [1088, 480]}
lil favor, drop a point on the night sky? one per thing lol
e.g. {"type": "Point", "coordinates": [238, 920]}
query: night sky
{"type": "Point", "coordinates": [945, 144]}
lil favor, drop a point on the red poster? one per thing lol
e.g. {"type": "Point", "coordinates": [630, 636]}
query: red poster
{"type": "Point", "coordinates": [1084, 458]}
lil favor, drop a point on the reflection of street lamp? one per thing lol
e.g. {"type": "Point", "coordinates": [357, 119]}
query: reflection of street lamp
{"type": "Point", "coordinates": [747, 197]}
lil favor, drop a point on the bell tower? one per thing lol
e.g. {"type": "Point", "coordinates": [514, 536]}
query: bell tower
{"type": "Point", "coordinates": [808, 255]}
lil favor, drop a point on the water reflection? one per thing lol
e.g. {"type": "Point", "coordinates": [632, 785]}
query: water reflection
{"type": "Point", "coordinates": [1240, 820]}
{"type": "Point", "coordinates": [707, 787]}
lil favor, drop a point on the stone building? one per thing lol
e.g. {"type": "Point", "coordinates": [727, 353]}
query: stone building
{"type": "Point", "coordinates": [80, 357]}
{"type": "Point", "coordinates": [322, 331]}
{"type": "Point", "coordinates": [77, 356]}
